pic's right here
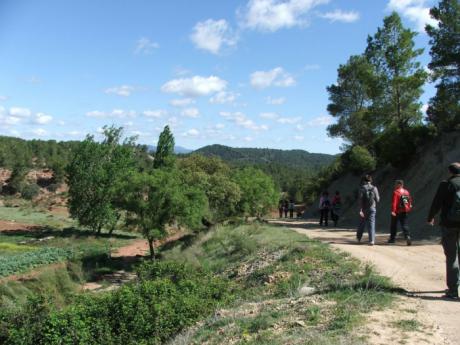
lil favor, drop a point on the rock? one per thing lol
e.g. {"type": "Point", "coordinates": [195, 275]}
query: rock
{"type": "Point", "coordinates": [300, 323]}
{"type": "Point", "coordinates": [307, 291]}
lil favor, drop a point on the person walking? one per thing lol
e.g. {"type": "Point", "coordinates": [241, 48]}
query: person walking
{"type": "Point", "coordinates": [324, 205]}
{"type": "Point", "coordinates": [286, 208]}
{"type": "Point", "coordinates": [368, 199]}
{"type": "Point", "coordinates": [447, 200]}
{"type": "Point", "coordinates": [291, 209]}
{"type": "Point", "coordinates": [401, 205]}
{"type": "Point", "coordinates": [336, 205]}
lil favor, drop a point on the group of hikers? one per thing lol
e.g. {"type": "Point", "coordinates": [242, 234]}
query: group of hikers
{"type": "Point", "coordinates": [446, 202]}
{"type": "Point", "coordinates": [286, 206]}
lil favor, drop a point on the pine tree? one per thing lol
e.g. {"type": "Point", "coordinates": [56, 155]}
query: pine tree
{"type": "Point", "coordinates": [164, 155]}
{"type": "Point", "coordinates": [444, 107]}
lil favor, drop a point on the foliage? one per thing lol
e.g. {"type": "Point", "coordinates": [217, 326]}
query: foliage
{"type": "Point", "coordinates": [359, 160]}
{"type": "Point", "coordinates": [164, 155]}
{"type": "Point", "coordinates": [444, 107]}
{"type": "Point", "coordinates": [351, 99]}
{"type": "Point", "coordinates": [18, 263]}
{"type": "Point", "coordinates": [212, 176]}
{"type": "Point", "coordinates": [149, 312]}
{"type": "Point", "coordinates": [94, 177]}
{"type": "Point", "coordinates": [30, 191]}
{"type": "Point", "coordinates": [154, 200]}
{"type": "Point", "coordinates": [17, 180]}
{"type": "Point", "coordinates": [258, 193]}
{"type": "Point", "coordinates": [400, 77]}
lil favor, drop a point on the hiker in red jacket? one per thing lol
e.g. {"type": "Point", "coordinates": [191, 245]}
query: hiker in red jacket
{"type": "Point", "coordinates": [401, 205]}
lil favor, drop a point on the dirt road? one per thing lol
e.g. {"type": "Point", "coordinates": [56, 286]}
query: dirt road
{"type": "Point", "coordinates": [419, 269]}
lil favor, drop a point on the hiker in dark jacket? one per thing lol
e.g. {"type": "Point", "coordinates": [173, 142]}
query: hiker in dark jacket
{"type": "Point", "coordinates": [368, 199]}
{"type": "Point", "coordinates": [447, 200]}
{"type": "Point", "coordinates": [335, 209]}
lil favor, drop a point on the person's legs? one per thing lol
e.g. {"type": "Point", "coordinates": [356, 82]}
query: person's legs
{"type": "Point", "coordinates": [402, 217]}
{"type": "Point", "coordinates": [450, 244]}
{"type": "Point", "coordinates": [370, 220]}
{"type": "Point", "coordinates": [326, 216]}
{"type": "Point", "coordinates": [321, 218]}
{"type": "Point", "coordinates": [393, 229]}
{"type": "Point", "coordinates": [361, 226]}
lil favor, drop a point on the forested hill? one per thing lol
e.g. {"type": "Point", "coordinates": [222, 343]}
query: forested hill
{"type": "Point", "coordinates": [298, 159]}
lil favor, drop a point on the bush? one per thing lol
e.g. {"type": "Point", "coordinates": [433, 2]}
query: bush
{"type": "Point", "coordinates": [168, 298]}
{"type": "Point", "coordinates": [30, 191]}
{"type": "Point", "coordinates": [360, 160]}
{"type": "Point", "coordinates": [53, 187]}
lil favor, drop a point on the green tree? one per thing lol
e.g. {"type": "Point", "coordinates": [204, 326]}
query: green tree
{"type": "Point", "coordinates": [164, 155]}
{"type": "Point", "coordinates": [401, 77]}
{"type": "Point", "coordinates": [17, 180]}
{"type": "Point", "coordinates": [258, 193]}
{"type": "Point", "coordinates": [444, 107]}
{"type": "Point", "coordinates": [351, 97]}
{"type": "Point", "coordinates": [162, 198]}
{"type": "Point", "coordinates": [212, 176]}
{"type": "Point", "coordinates": [359, 160]}
{"type": "Point", "coordinates": [94, 177]}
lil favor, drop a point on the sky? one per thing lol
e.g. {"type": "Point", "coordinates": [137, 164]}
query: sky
{"type": "Point", "coordinates": [242, 73]}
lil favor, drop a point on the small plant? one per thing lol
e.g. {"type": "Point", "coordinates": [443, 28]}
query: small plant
{"type": "Point", "coordinates": [30, 191]}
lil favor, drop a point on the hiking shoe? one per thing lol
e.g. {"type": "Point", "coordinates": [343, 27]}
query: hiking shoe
{"type": "Point", "coordinates": [371, 243]}
{"type": "Point", "coordinates": [391, 240]}
{"type": "Point", "coordinates": [450, 295]}
{"type": "Point", "coordinates": [359, 239]}
{"type": "Point", "coordinates": [408, 241]}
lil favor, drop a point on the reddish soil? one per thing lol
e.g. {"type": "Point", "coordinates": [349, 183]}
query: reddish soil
{"type": "Point", "coordinates": [14, 226]}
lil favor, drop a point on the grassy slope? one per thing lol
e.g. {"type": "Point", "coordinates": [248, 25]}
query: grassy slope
{"type": "Point", "coordinates": [269, 266]}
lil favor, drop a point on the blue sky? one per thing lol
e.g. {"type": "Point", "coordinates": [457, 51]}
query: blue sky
{"type": "Point", "coordinates": [243, 73]}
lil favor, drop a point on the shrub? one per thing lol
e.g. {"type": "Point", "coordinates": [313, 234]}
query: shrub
{"type": "Point", "coordinates": [53, 187]}
{"type": "Point", "coordinates": [360, 160]}
{"type": "Point", "coordinates": [30, 191]}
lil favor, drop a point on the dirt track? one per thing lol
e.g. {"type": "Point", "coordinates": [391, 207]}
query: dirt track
{"type": "Point", "coordinates": [419, 269]}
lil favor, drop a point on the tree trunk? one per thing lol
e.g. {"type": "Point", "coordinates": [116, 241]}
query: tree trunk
{"type": "Point", "coordinates": [152, 249]}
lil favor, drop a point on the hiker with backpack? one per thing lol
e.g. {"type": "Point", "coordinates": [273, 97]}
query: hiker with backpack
{"type": "Point", "coordinates": [368, 198]}
{"type": "Point", "coordinates": [401, 205]}
{"type": "Point", "coordinates": [324, 206]}
{"type": "Point", "coordinates": [286, 208]}
{"type": "Point", "coordinates": [447, 200]}
{"type": "Point", "coordinates": [291, 209]}
{"type": "Point", "coordinates": [281, 208]}
{"type": "Point", "coordinates": [336, 206]}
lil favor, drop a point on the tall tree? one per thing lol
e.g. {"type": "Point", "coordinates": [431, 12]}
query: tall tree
{"type": "Point", "coordinates": [164, 155]}
{"type": "Point", "coordinates": [94, 176]}
{"type": "Point", "coordinates": [351, 99]}
{"type": "Point", "coordinates": [160, 198]}
{"type": "Point", "coordinates": [401, 77]}
{"type": "Point", "coordinates": [444, 108]}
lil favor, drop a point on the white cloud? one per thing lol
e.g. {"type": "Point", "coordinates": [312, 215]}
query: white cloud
{"type": "Point", "coordinates": [248, 139]}
{"type": "Point", "coordinates": [74, 133]}
{"type": "Point", "coordinates": [276, 77]}
{"type": "Point", "coordinates": [269, 116]}
{"type": "Point", "coordinates": [3, 98]}
{"type": "Point", "coordinates": [191, 112]}
{"type": "Point", "coordinates": [183, 102]}
{"type": "Point", "coordinates": [155, 113]}
{"type": "Point", "coordinates": [414, 10]}
{"type": "Point", "coordinates": [224, 97]}
{"type": "Point", "coordinates": [115, 113]}
{"type": "Point", "coordinates": [341, 16]}
{"type": "Point", "coordinates": [123, 90]}
{"type": "Point", "coordinates": [424, 108]}
{"type": "Point", "coordinates": [145, 46]}
{"type": "Point", "coordinates": [191, 133]}
{"type": "Point", "coordinates": [288, 120]}
{"type": "Point", "coordinates": [211, 35]}
{"type": "Point", "coordinates": [40, 132]}
{"type": "Point", "coordinates": [299, 137]}
{"type": "Point", "coordinates": [320, 121]}
{"type": "Point", "coordinates": [272, 15]}
{"type": "Point", "coordinates": [241, 120]}
{"type": "Point", "coordinates": [195, 86]}
{"type": "Point", "coordinates": [42, 118]}
{"type": "Point", "coordinates": [20, 112]}
{"type": "Point", "coordinates": [276, 101]}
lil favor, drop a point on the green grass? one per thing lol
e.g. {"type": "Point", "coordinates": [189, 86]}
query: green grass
{"type": "Point", "coordinates": [270, 264]}
{"type": "Point", "coordinates": [411, 325]}
{"type": "Point", "coordinates": [30, 215]}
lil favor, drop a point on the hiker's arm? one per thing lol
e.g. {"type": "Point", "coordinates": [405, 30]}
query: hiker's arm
{"type": "Point", "coordinates": [437, 201]}
{"type": "Point", "coordinates": [377, 195]}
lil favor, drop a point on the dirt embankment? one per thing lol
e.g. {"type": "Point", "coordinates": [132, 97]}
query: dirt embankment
{"type": "Point", "coordinates": [422, 178]}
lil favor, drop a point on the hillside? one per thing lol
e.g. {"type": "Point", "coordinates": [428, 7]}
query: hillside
{"type": "Point", "coordinates": [256, 156]}
{"type": "Point", "coordinates": [421, 177]}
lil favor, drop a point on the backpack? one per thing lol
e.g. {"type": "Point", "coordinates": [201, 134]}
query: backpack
{"type": "Point", "coordinates": [405, 203]}
{"type": "Point", "coordinates": [326, 204]}
{"type": "Point", "coordinates": [453, 214]}
{"type": "Point", "coordinates": [368, 197]}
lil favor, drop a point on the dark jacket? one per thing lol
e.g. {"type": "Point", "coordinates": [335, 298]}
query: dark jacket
{"type": "Point", "coordinates": [443, 201]}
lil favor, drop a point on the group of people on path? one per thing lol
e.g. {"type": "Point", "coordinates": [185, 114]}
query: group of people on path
{"type": "Point", "coordinates": [327, 206]}
{"type": "Point", "coordinates": [286, 206]}
{"type": "Point", "coordinates": [446, 202]}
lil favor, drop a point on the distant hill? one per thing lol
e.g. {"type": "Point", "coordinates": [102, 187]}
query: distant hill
{"type": "Point", "coordinates": [177, 149]}
{"type": "Point", "coordinates": [297, 159]}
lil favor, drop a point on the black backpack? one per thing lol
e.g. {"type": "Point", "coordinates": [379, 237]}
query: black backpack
{"type": "Point", "coordinates": [453, 214]}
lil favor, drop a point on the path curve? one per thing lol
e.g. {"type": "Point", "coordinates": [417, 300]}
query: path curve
{"type": "Point", "coordinates": [419, 269]}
